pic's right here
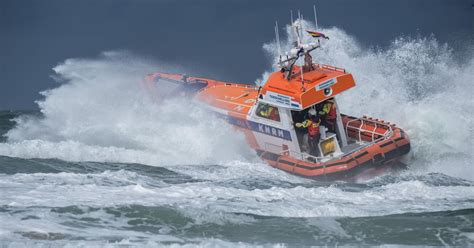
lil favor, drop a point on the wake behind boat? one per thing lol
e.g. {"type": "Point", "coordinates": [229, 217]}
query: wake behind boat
{"type": "Point", "coordinates": [293, 121]}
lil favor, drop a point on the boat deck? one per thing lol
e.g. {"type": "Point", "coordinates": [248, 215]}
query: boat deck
{"type": "Point", "coordinates": [238, 98]}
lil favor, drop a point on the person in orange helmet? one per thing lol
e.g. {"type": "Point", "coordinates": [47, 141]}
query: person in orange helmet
{"type": "Point", "coordinates": [312, 125]}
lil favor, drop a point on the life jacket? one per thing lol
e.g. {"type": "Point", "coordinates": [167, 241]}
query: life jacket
{"type": "Point", "coordinates": [313, 128]}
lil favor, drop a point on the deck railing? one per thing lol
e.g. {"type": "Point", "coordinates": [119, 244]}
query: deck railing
{"type": "Point", "coordinates": [301, 155]}
{"type": "Point", "coordinates": [364, 121]}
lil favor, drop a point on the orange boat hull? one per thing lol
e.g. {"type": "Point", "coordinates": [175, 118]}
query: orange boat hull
{"type": "Point", "coordinates": [234, 102]}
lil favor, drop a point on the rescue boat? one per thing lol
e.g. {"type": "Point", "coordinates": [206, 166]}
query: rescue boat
{"type": "Point", "coordinates": [350, 147]}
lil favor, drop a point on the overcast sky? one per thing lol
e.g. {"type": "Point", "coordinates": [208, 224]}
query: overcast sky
{"type": "Point", "coordinates": [36, 35]}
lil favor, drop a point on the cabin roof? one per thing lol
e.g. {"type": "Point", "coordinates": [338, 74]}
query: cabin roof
{"type": "Point", "coordinates": [321, 83]}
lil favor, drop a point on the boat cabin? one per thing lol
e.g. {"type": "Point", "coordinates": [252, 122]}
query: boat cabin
{"type": "Point", "coordinates": [284, 101]}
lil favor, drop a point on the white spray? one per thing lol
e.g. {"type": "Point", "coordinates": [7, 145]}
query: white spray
{"type": "Point", "coordinates": [100, 113]}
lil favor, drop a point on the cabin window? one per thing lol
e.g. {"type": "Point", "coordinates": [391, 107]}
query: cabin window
{"type": "Point", "coordinates": [268, 111]}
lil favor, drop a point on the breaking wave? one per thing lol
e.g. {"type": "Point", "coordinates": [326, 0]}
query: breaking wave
{"type": "Point", "coordinates": [100, 113]}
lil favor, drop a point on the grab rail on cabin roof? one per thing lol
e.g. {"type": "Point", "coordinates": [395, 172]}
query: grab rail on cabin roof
{"type": "Point", "coordinates": [321, 66]}
{"type": "Point", "coordinates": [330, 67]}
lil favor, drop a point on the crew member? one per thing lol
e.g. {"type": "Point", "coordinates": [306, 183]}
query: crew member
{"type": "Point", "coordinates": [312, 124]}
{"type": "Point", "coordinates": [328, 114]}
{"type": "Point", "coordinates": [268, 112]}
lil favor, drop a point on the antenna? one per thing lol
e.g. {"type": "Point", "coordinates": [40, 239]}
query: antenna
{"type": "Point", "coordinates": [299, 34]}
{"type": "Point", "coordinates": [301, 25]}
{"type": "Point", "coordinates": [315, 17]}
{"type": "Point", "coordinates": [297, 29]}
{"type": "Point", "coordinates": [277, 35]}
{"type": "Point", "coordinates": [302, 77]}
{"type": "Point", "coordinates": [291, 14]}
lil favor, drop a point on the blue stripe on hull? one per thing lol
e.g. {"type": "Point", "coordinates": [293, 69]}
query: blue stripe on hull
{"type": "Point", "coordinates": [259, 127]}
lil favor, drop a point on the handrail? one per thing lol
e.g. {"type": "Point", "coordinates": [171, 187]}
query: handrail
{"type": "Point", "coordinates": [236, 85]}
{"type": "Point", "coordinates": [373, 131]}
{"type": "Point", "coordinates": [303, 156]}
{"type": "Point", "coordinates": [246, 93]}
{"type": "Point", "coordinates": [365, 121]}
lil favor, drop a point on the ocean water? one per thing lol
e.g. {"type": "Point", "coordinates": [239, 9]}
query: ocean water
{"type": "Point", "coordinates": [102, 165]}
